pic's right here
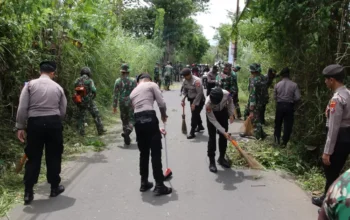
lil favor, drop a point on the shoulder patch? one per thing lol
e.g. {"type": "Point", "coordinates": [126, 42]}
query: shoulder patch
{"type": "Point", "coordinates": [208, 108]}
{"type": "Point", "coordinates": [197, 83]}
{"type": "Point", "coordinates": [332, 106]}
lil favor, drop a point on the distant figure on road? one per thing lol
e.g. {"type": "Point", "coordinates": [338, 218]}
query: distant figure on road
{"type": "Point", "coordinates": [157, 75]}
{"type": "Point", "coordinates": [193, 90]}
{"type": "Point", "coordinates": [337, 148]}
{"type": "Point", "coordinates": [168, 74]}
{"type": "Point", "coordinates": [148, 134]}
{"type": "Point", "coordinates": [235, 90]}
{"type": "Point", "coordinates": [286, 94]}
{"type": "Point", "coordinates": [219, 108]}
{"type": "Point", "coordinates": [42, 107]}
{"type": "Point", "coordinates": [123, 86]}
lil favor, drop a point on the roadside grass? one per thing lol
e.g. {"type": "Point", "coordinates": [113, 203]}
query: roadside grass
{"type": "Point", "coordinates": [11, 184]}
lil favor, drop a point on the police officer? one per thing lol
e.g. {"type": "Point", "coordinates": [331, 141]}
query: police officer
{"type": "Point", "coordinates": [211, 79]}
{"type": "Point", "coordinates": [42, 106]}
{"type": "Point", "coordinates": [148, 134]}
{"type": "Point", "coordinates": [219, 108]}
{"type": "Point", "coordinates": [193, 90]}
{"type": "Point", "coordinates": [123, 86]}
{"type": "Point", "coordinates": [87, 103]}
{"type": "Point", "coordinates": [337, 148]}
{"type": "Point", "coordinates": [286, 94]}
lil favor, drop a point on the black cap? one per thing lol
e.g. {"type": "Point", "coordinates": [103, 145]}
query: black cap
{"type": "Point", "coordinates": [216, 95]}
{"type": "Point", "coordinates": [333, 70]}
{"type": "Point", "coordinates": [48, 66]}
{"type": "Point", "coordinates": [185, 72]}
{"type": "Point", "coordinates": [284, 72]}
{"type": "Point", "coordinates": [143, 76]}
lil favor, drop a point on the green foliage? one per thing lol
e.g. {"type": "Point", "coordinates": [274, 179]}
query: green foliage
{"type": "Point", "coordinates": [223, 36]}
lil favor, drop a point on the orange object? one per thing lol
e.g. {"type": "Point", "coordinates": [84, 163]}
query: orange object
{"type": "Point", "coordinates": [21, 163]}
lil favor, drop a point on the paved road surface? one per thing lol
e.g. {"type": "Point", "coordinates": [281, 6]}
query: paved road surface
{"type": "Point", "coordinates": [106, 186]}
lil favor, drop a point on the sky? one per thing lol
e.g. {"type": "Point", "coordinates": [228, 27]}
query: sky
{"type": "Point", "coordinates": [216, 15]}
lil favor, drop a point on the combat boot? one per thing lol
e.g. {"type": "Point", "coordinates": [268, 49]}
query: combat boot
{"type": "Point", "coordinates": [212, 165]}
{"type": "Point", "coordinates": [28, 197]}
{"type": "Point", "coordinates": [145, 185]}
{"type": "Point", "coordinates": [161, 189]}
{"type": "Point", "coordinates": [56, 191]}
{"type": "Point", "coordinates": [318, 201]}
{"type": "Point", "coordinates": [223, 162]}
{"type": "Point", "coordinates": [191, 135]}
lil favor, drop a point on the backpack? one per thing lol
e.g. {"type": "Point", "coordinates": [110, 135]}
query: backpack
{"type": "Point", "coordinates": [80, 92]}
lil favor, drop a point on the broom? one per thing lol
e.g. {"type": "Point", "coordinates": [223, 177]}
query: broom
{"type": "Point", "coordinates": [168, 173]}
{"type": "Point", "coordinates": [250, 160]}
{"type": "Point", "coordinates": [20, 163]}
{"type": "Point", "coordinates": [184, 127]}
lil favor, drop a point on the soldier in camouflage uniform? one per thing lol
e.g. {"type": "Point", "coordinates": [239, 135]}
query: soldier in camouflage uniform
{"type": "Point", "coordinates": [257, 98]}
{"type": "Point", "coordinates": [157, 78]}
{"type": "Point", "coordinates": [122, 88]}
{"type": "Point", "coordinates": [88, 102]}
{"type": "Point", "coordinates": [234, 91]}
{"type": "Point", "coordinates": [336, 205]}
{"type": "Point", "coordinates": [168, 73]}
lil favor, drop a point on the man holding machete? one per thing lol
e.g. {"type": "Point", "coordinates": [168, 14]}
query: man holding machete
{"type": "Point", "coordinates": [219, 107]}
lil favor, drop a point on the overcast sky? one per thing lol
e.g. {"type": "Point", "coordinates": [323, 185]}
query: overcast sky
{"type": "Point", "coordinates": [216, 14]}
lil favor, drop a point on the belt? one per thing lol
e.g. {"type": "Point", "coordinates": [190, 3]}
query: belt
{"type": "Point", "coordinates": [145, 113]}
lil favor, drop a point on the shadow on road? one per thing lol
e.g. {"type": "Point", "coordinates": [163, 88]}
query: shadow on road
{"type": "Point", "coordinates": [49, 205]}
{"type": "Point", "coordinates": [132, 146]}
{"type": "Point", "coordinates": [150, 198]}
{"type": "Point", "coordinates": [229, 178]}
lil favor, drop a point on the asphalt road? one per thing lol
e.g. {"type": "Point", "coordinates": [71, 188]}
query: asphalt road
{"type": "Point", "coordinates": [106, 185]}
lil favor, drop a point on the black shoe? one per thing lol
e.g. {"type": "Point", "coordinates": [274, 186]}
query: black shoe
{"type": "Point", "coordinates": [191, 136]}
{"type": "Point", "coordinates": [28, 197]}
{"type": "Point", "coordinates": [162, 190]}
{"type": "Point", "coordinates": [223, 162]}
{"type": "Point", "coordinates": [318, 201]}
{"type": "Point", "coordinates": [127, 139]}
{"type": "Point", "coordinates": [199, 128]}
{"type": "Point", "coordinates": [56, 191]}
{"type": "Point", "coordinates": [146, 186]}
{"type": "Point", "coordinates": [242, 135]}
{"type": "Point", "coordinates": [212, 167]}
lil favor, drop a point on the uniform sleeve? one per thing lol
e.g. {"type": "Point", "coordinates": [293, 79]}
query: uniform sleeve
{"type": "Point", "coordinates": [296, 94]}
{"type": "Point", "coordinates": [252, 98]}
{"type": "Point", "coordinates": [335, 118]}
{"type": "Point", "coordinates": [92, 86]}
{"type": "Point", "coordinates": [230, 107]}
{"type": "Point", "coordinates": [63, 104]}
{"type": "Point", "coordinates": [212, 119]}
{"type": "Point", "coordinates": [22, 112]}
{"type": "Point", "coordinates": [116, 94]}
{"type": "Point", "coordinates": [160, 100]}
{"type": "Point", "coordinates": [199, 91]}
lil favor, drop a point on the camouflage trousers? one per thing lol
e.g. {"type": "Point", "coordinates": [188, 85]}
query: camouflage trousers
{"type": "Point", "coordinates": [256, 122]}
{"type": "Point", "coordinates": [92, 108]}
{"type": "Point", "coordinates": [158, 81]}
{"type": "Point", "coordinates": [236, 103]}
{"type": "Point", "coordinates": [127, 118]}
{"type": "Point", "coordinates": [167, 81]}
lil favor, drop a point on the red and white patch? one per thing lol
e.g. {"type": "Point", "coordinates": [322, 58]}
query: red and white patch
{"type": "Point", "coordinates": [332, 106]}
{"type": "Point", "coordinates": [208, 108]}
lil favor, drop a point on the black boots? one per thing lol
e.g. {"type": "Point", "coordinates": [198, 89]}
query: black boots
{"type": "Point", "coordinates": [56, 191]}
{"type": "Point", "coordinates": [191, 135]}
{"type": "Point", "coordinates": [212, 165]}
{"type": "Point", "coordinates": [199, 128]}
{"type": "Point", "coordinates": [28, 197]}
{"type": "Point", "coordinates": [318, 201]}
{"type": "Point", "coordinates": [161, 189]}
{"type": "Point", "coordinates": [126, 136]}
{"type": "Point", "coordinates": [145, 186]}
{"type": "Point", "coordinates": [223, 162]}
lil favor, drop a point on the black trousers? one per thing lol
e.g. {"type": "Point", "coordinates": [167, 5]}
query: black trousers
{"type": "Point", "coordinates": [222, 118]}
{"type": "Point", "coordinates": [285, 115]}
{"type": "Point", "coordinates": [196, 120]}
{"type": "Point", "coordinates": [337, 159]}
{"type": "Point", "coordinates": [149, 139]}
{"type": "Point", "coordinates": [43, 131]}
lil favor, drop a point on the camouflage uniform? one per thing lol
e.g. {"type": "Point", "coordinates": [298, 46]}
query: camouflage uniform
{"type": "Point", "coordinates": [234, 92]}
{"type": "Point", "coordinates": [88, 104]}
{"type": "Point", "coordinates": [336, 205]}
{"type": "Point", "coordinates": [168, 72]}
{"type": "Point", "coordinates": [122, 89]}
{"type": "Point", "coordinates": [157, 78]}
{"type": "Point", "coordinates": [256, 100]}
